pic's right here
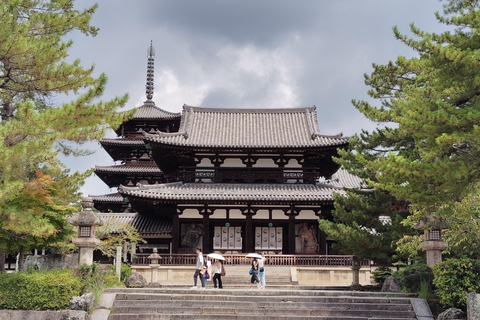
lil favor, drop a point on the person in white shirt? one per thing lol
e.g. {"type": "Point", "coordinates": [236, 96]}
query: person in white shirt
{"type": "Point", "coordinates": [217, 275]}
{"type": "Point", "coordinates": [198, 271]}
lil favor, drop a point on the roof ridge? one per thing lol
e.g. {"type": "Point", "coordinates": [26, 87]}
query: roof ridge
{"type": "Point", "coordinates": [248, 110]}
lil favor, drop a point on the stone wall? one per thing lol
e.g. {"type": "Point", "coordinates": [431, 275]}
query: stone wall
{"type": "Point", "coordinates": [43, 315]}
{"type": "Point", "coordinates": [51, 261]}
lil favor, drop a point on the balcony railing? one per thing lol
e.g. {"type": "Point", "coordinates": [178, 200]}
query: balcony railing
{"type": "Point", "coordinates": [270, 260]}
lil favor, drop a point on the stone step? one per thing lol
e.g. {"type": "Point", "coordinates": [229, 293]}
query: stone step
{"type": "Point", "coordinates": [196, 316]}
{"type": "Point", "coordinates": [144, 304]}
{"type": "Point", "coordinates": [245, 295]}
{"type": "Point", "coordinates": [265, 311]}
{"type": "Point", "coordinates": [249, 304]}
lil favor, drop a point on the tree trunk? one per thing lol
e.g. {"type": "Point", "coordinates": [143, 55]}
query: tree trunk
{"type": "Point", "coordinates": [21, 259]}
{"type": "Point", "coordinates": [7, 111]}
{"type": "Point", "coordinates": [2, 260]}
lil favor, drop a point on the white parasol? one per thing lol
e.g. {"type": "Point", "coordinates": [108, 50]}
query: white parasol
{"type": "Point", "coordinates": [215, 256]}
{"type": "Point", "coordinates": [254, 255]}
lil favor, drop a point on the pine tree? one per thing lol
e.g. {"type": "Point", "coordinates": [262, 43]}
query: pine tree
{"type": "Point", "coordinates": [33, 129]}
{"type": "Point", "coordinates": [429, 152]}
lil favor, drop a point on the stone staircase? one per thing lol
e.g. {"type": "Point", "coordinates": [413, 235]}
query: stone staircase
{"type": "Point", "coordinates": [168, 303]}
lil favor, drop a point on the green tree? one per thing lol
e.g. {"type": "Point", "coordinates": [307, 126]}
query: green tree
{"type": "Point", "coordinates": [426, 149]}
{"type": "Point", "coordinates": [428, 152]}
{"type": "Point", "coordinates": [115, 233]}
{"type": "Point", "coordinates": [33, 128]}
{"type": "Point", "coordinates": [358, 228]}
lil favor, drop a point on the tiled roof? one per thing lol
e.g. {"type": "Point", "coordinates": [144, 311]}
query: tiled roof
{"type": "Point", "coordinates": [248, 128]}
{"type": "Point", "coordinates": [122, 142]}
{"type": "Point", "coordinates": [220, 192]}
{"type": "Point", "coordinates": [127, 169]}
{"type": "Point", "coordinates": [144, 225]}
{"type": "Point", "coordinates": [150, 111]}
{"type": "Point", "coordinates": [108, 198]}
{"type": "Point", "coordinates": [342, 178]}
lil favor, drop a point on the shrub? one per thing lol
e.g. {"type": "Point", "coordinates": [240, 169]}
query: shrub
{"type": "Point", "coordinates": [412, 276]}
{"type": "Point", "coordinates": [381, 273]}
{"type": "Point", "coordinates": [94, 280]}
{"type": "Point", "coordinates": [40, 290]}
{"type": "Point", "coordinates": [454, 278]}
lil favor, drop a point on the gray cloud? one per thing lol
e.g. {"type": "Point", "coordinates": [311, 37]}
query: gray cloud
{"type": "Point", "coordinates": [247, 53]}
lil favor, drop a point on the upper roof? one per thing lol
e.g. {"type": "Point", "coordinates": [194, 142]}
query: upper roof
{"type": "Point", "coordinates": [149, 111]}
{"type": "Point", "coordinates": [247, 128]}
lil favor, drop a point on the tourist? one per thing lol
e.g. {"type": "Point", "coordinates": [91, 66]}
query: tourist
{"type": "Point", "coordinates": [261, 270]}
{"type": "Point", "coordinates": [217, 274]}
{"type": "Point", "coordinates": [200, 270]}
{"type": "Point", "coordinates": [254, 272]}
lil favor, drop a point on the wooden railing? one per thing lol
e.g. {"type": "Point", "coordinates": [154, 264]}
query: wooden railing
{"type": "Point", "coordinates": [270, 260]}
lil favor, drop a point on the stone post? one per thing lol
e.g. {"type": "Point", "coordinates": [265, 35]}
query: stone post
{"type": "Point", "coordinates": [432, 228]}
{"type": "Point", "coordinates": [118, 262]}
{"type": "Point", "coordinates": [473, 306]}
{"type": "Point", "coordinates": [86, 221]}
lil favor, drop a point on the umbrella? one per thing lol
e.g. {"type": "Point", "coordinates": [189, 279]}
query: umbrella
{"type": "Point", "coordinates": [215, 256]}
{"type": "Point", "coordinates": [254, 255]}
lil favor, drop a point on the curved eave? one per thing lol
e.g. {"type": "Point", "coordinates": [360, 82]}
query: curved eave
{"type": "Point", "coordinates": [243, 149]}
{"type": "Point", "coordinates": [155, 142]}
{"type": "Point", "coordinates": [120, 149]}
{"type": "Point", "coordinates": [239, 194]}
{"type": "Point", "coordinates": [114, 176]}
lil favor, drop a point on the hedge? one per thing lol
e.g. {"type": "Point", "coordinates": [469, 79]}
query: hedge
{"type": "Point", "coordinates": [38, 290]}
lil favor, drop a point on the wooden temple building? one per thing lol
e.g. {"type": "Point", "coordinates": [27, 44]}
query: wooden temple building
{"type": "Point", "coordinates": [226, 180]}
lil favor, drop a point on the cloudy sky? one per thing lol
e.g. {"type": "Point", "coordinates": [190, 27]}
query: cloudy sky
{"type": "Point", "coordinates": [246, 54]}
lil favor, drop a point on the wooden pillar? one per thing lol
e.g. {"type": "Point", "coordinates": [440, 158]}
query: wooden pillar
{"type": "Point", "coordinates": [291, 213]}
{"type": "Point", "coordinates": [322, 236]}
{"type": "Point", "coordinates": [207, 239]}
{"type": "Point", "coordinates": [176, 233]}
{"type": "Point", "coordinates": [291, 234]}
{"type": "Point", "coordinates": [249, 234]}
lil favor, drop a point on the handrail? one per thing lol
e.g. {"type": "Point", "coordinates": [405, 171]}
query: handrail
{"type": "Point", "coordinates": [270, 260]}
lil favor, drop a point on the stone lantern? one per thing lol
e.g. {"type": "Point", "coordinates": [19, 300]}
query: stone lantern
{"type": "Point", "coordinates": [154, 266]}
{"type": "Point", "coordinates": [432, 229]}
{"type": "Point", "coordinates": [86, 221]}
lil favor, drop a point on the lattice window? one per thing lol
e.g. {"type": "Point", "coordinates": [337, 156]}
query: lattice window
{"type": "Point", "coordinates": [435, 235]}
{"type": "Point", "coordinates": [84, 232]}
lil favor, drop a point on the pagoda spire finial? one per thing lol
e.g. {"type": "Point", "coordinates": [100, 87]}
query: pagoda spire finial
{"type": "Point", "coordinates": [150, 69]}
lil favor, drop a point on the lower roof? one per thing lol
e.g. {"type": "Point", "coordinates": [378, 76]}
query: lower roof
{"type": "Point", "coordinates": [145, 225]}
{"type": "Point", "coordinates": [235, 192]}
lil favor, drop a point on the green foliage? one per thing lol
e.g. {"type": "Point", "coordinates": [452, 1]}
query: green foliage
{"type": "Point", "coordinates": [428, 107]}
{"type": "Point", "coordinates": [463, 232]}
{"type": "Point", "coordinates": [33, 128]}
{"type": "Point", "coordinates": [381, 273]}
{"type": "Point", "coordinates": [41, 290]}
{"type": "Point", "coordinates": [115, 233]}
{"type": "Point", "coordinates": [412, 276]}
{"type": "Point", "coordinates": [125, 271]}
{"type": "Point", "coordinates": [357, 227]}
{"type": "Point", "coordinates": [94, 280]}
{"type": "Point", "coordinates": [454, 278]}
